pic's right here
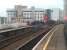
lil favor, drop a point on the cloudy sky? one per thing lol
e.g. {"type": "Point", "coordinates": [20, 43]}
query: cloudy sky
{"type": "Point", "coordinates": [5, 4]}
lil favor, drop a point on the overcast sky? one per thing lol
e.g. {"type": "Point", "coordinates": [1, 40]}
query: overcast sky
{"type": "Point", "coordinates": [5, 4]}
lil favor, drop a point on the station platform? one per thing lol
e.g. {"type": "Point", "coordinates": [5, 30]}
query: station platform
{"type": "Point", "coordinates": [53, 40]}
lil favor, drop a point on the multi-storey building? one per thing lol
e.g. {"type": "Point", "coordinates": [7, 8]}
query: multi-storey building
{"type": "Point", "coordinates": [34, 15]}
{"type": "Point", "coordinates": [23, 14]}
{"type": "Point", "coordinates": [12, 13]}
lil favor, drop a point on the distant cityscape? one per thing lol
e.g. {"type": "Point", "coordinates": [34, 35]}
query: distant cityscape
{"type": "Point", "coordinates": [23, 14]}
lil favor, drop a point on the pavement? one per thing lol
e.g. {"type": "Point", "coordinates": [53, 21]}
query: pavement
{"type": "Point", "coordinates": [53, 40]}
{"type": "Point", "coordinates": [58, 40]}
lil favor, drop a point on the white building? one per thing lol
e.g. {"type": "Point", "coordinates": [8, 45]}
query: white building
{"type": "Point", "coordinates": [11, 15]}
{"type": "Point", "coordinates": [24, 14]}
{"type": "Point", "coordinates": [34, 15]}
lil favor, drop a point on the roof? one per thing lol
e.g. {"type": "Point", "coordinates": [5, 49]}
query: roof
{"type": "Point", "coordinates": [11, 10]}
{"type": "Point", "coordinates": [36, 9]}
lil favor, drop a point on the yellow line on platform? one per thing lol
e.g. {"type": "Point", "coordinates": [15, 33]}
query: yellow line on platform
{"type": "Point", "coordinates": [46, 44]}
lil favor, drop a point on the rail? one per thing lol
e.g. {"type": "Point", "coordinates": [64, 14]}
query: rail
{"type": "Point", "coordinates": [6, 42]}
{"type": "Point", "coordinates": [12, 35]}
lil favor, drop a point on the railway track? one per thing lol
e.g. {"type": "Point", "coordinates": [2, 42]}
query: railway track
{"type": "Point", "coordinates": [10, 39]}
{"type": "Point", "coordinates": [6, 42]}
{"type": "Point", "coordinates": [34, 41]}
